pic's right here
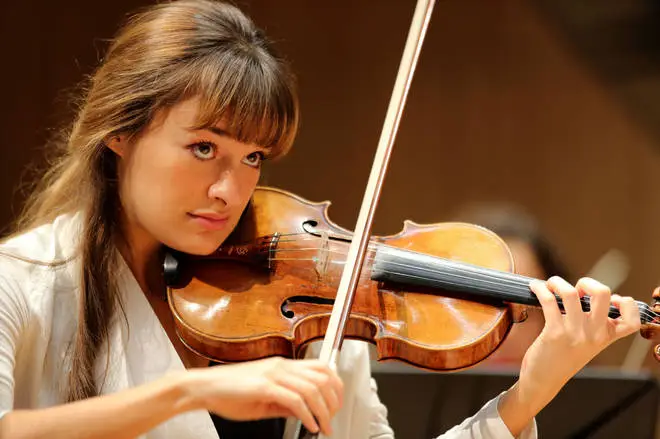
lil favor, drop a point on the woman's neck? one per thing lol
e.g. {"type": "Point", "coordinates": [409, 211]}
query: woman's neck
{"type": "Point", "coordinates": [143, 256]}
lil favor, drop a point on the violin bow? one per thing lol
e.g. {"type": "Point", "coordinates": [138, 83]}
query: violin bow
{"type": "Point", "coordinates": [334, 335]}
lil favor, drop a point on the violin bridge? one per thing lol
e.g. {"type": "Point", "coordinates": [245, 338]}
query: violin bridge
{"type": "Point", "coordinates": [323, 256]}
{"type": "Point", "coordinates": [272, 248]}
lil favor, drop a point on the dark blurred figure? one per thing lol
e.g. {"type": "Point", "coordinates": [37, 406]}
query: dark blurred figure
{"type": "Point", "coordinates": [533, 256]}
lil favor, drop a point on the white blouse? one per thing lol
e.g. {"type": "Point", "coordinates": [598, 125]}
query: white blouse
{"type": "Point", "coordinates": [38, 315]}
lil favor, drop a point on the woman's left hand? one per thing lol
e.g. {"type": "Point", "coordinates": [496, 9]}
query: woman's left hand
{"type": "Point", "coordinates": [566, 344]}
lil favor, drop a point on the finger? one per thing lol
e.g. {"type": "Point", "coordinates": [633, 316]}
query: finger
{"type": "Point", "coordinates": [322, 368]}
{"type": "Point", "coordinates": [570, 298]}
{"type": "Point", "coordinates": [656, 293]}
{"type": "Point", "coordinates": [629, 321]}
{"type": "Point", "coordinates": [329, 384]}
{"type": "Point", "coordinates": [548, 302]}
{"type": "Point", "coordinates": [290, 401]}
{"type": "Point", "coordinates": [599, 299]}
{"type": "Point", "coordinates": [313, 363]}
{"type": "Point", "coordinates": [312, 396]}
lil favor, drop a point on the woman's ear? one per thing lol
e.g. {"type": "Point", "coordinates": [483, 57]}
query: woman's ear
{"type": "Point", "coordinates": [117, 143]}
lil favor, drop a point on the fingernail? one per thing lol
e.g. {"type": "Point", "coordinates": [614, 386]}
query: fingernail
{"type": "Point", "coordinates": [535, 283]}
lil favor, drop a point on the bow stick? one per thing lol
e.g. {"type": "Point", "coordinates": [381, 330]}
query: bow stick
{"type": "Point", "coordinates": [334, 335]}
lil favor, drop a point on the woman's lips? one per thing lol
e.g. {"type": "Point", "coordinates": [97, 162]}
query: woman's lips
{"type": "Point", "coordinates": [210, 221]}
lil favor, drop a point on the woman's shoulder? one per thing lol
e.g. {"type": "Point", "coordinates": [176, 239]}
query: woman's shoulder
{"type": "Point", "coordinates": [49, 243]}
{"type": "Point", "coordinates": [37, 279]}
{"type": "Point", "coordinates": [41, 259]}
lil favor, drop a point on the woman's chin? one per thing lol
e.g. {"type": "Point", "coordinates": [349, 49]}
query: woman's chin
{"type": "Point", "coordinates": [196, 246]}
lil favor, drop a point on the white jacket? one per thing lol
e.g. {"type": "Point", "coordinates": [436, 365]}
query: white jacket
{"type": "Point", "coordinates": [38, 320]}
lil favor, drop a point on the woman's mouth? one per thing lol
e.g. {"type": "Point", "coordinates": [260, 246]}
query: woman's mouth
{"type": "Point", "coordinates": [210, 220]}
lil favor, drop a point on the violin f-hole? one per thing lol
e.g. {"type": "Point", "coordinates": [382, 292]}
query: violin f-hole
{"type": "Point", "coordinates": [311, 300]}
{"type": "Point", "coordinates": [310, 226]}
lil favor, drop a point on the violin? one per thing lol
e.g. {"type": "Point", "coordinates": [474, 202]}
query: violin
{"type": "Point", "coordinates": [436, 296]}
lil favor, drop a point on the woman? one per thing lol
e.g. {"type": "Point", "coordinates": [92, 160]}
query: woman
{"type": "Point", "coordinates": [165, 151]}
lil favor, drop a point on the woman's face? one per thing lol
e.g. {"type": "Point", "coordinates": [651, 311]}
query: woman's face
{"type": "Point", "coordinates": [185, 188]}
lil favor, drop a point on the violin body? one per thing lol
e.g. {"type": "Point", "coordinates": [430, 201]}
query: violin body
{"type": "Point", "coordinates": [269, 290]}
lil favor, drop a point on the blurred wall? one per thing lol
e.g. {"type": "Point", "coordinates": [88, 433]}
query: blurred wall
{"type": "Point", "coordinates": [501, 108]}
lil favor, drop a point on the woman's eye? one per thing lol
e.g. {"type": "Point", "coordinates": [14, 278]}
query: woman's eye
{"type": "Point", "coordinates": [254, 159]}
{"type": "Point", "coordinates": [203, 150]}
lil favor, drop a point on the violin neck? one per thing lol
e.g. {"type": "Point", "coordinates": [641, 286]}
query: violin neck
{"type": "Point", "coordinates": [404, 267]}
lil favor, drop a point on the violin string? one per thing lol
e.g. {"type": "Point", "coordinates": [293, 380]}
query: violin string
{"type": "Point", "coordinates": [501, 277]}
{"type": "Point", "coordinates": [642, 307]}
{"type": "Point", "coordinates": [511, 281]}
{"type": "Point", "coordinates": [644, 312]}
{"type": "Point", "coordinates": [649, 314]}
{"type": "Point", "coordinates": [385, 249]}
{"type": "Point", "coordinates": [388, 249]}
{"type": "Point", "coordinates": [502, 280]}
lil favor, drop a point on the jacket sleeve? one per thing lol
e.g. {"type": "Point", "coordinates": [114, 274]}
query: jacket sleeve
{"type": "Point", "coordinates": [379, 427]}
{"type": "Point", "coordinates": [487, 424]}
{"type": "Point", "coordinates": [13, 312]}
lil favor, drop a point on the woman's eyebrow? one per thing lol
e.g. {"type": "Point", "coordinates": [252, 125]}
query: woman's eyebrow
{"type": "Point", "coordinates": [219, 131]}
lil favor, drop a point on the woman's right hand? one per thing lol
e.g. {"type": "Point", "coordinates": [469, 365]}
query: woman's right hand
{"type": "Point", "coordinates": [270, 388]}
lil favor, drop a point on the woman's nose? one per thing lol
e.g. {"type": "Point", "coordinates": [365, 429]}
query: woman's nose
{"type": "Point", "coordinates": [225, 189]}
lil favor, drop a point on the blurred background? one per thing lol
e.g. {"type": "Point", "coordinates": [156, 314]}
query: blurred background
{"type": "Point", "coordinates": [539, 119]}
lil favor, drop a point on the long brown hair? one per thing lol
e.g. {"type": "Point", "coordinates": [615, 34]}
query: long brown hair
{"type": "Point", "coordinates": [162, 55]}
